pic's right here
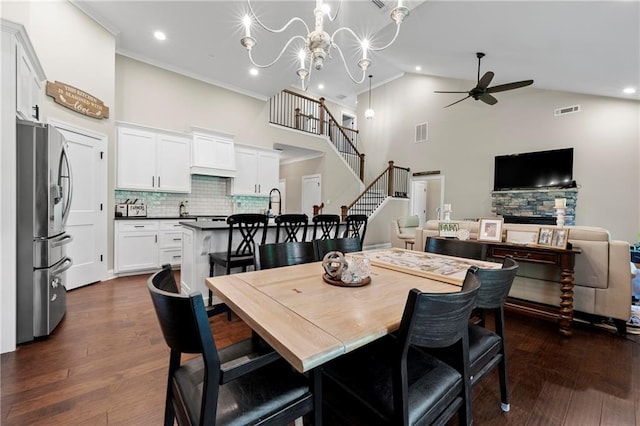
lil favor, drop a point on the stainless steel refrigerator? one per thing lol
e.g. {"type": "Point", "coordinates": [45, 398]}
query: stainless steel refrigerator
{"type": "Point", "coordinates": [44, 190]}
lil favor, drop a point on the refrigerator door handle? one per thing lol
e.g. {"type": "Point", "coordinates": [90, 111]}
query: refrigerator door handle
{"type": "Point", "coordinates": [62, 267]}
{"type": "Point", "coordinates": [62, 240]}
{"type": "Point", "coordinates": [64, 157]}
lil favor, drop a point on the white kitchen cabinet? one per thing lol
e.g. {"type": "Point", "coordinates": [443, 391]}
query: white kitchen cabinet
{"type": "Point", "coordinates": [212, 153]}
{"type": "Point", "coordinates": [258, 171]}
{"type": "Point", "coordinates": [152, 160]}
{"type": "Point", "coordinates": [147, 244]}
{"type": "Point", "coordinates": [29, 77]}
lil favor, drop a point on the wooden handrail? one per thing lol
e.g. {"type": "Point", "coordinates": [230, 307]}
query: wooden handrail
{"type": "Point", "coordinates": [291, 92]}
{"type": "Point", "coordinates": [332, 118]}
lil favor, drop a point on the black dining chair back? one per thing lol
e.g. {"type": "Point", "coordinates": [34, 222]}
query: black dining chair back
{"type": "Point", "coordinates": [291, 224]}
{"type": "Point", "coordinates": [458, 248]}
{"type": "Point", "coordinates": [344, 245]}
{"type": "Point", "coordinates": [165, 279]}
{"type": "Point", "coordinates": [356, 226]}
{"type": "Point", "coordinates": [245, 383]}
{"type": "Point", "coordinates": [395, 381]}
{"type": "Point", "coordinates": [245, 231]}
{"type": "Point", "coordinates": [325, 226]}
{"type": "Point", "coordinates": [276, 255]}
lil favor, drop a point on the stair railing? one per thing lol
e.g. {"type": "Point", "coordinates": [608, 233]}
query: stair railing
{"type": "Point", "coordinates": [296, 111]}
{"type": "Point", "coordinates": [392, 182]}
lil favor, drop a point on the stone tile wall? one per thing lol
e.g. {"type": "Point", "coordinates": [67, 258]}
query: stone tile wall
{"type": "Point", "coordinates": [209, 196]}
{"type": "Point", "coordinates": [534, 203]}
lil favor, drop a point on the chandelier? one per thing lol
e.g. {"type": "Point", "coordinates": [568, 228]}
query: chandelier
{"type": "Point", "coordinates": [318, 43]}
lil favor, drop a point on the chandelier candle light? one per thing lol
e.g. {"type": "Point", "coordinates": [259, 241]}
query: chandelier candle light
{"type": "Point", "coordinates": [318, 43]}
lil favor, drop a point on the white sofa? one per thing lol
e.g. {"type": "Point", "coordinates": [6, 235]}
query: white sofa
{"type": "Point", "coordinates": [602, 283]}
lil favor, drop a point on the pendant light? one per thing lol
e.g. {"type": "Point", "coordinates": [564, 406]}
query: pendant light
{"type": "Point", "coordinates": [368, 114]}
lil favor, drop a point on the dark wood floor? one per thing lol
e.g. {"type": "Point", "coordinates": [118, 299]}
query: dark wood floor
{"type": "Point", "coordinates": [106, 365]}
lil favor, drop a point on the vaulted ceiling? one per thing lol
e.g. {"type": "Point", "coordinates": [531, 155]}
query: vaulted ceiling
{"type": "Point", "coordinates": [590, 47]}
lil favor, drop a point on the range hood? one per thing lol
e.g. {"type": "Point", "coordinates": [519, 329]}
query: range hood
{"type": "Point", "coordinates": [212, 153]}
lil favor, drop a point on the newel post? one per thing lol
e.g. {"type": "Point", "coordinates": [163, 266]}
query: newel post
{"type": "Point", "coordinates": [321, 118]}
{"type": "Point", "coordinates": [343, 212]}
{"type": "Point", "coordinates": [362, 167]}
{"type": "Point", "coordinates": [297, 110]}
{"type": "Point", "coordinates": [390, 182]}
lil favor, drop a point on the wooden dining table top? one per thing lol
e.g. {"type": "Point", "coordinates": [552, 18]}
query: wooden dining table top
{"type": "Point", "coordinates": [309, 321]}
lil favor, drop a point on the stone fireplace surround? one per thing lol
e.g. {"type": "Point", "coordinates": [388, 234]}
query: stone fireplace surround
{"type": "Point", "coordinates": [533, 206]}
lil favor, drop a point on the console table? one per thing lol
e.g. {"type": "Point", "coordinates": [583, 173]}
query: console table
{"type": "Point", "coordinates": [563, 258]}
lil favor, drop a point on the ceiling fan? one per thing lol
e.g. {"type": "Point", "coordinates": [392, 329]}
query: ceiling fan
{"type": "Point", "coordinates": [482, 92]}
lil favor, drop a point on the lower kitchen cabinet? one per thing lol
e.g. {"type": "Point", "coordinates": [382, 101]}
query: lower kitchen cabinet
{"type": "Point", "coordinates": [145, 245]}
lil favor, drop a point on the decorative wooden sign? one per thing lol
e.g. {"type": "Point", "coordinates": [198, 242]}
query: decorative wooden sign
{"type": "Point", "coordinates": [77, 100]}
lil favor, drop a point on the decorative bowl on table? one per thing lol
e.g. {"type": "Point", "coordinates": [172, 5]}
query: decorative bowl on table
{"type": "Point", "coordinates": [343, 272]}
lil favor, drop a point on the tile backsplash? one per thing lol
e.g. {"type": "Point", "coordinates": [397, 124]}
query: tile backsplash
{"type": "Point", "coordinates": [209, 196]}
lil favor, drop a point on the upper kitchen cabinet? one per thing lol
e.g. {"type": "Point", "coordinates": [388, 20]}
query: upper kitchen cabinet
{"type": "Point", "coordinates": [21, 65]}
{"type": "Point", "coordinates": [212, 153]}
{"type": "Point", "coordinates": [152, 160]}
{"type": "Point", "coordinates": [258, 171]}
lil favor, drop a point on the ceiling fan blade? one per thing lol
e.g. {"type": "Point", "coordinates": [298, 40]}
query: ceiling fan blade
{"type": "Point", "coordinates": [483, 83]}
{"type": "Point", "coordinates": [439, 91]}
{"type": "Point", "coordinates": [509, 86]}
{"type": "Point", "coordinates": [458, 101]}
{"type": "Point", "coordinates": [488, 99]}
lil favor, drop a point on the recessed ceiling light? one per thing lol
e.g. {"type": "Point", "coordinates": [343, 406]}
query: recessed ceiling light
{"type": "Point", "coordinates": [320, 86]}
{"type": "Point", "coordinates": [629, 90]}
{"type": "Point", "coordinates": [418, 68]}
{"type": "Point", "coordinates": [253, 71]}
{"type": "Point", "coordinates": [160, 35]}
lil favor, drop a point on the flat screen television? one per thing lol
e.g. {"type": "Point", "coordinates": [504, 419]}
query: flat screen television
{"type": "Point", "coordinates": [542, 169]}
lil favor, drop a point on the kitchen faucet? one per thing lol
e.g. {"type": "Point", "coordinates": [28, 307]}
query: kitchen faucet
{"type": "Point", "coordinates": [269, 212]}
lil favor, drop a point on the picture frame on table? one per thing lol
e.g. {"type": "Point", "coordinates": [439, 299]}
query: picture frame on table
{"type": "Point", "coordinates": [522, 236]}
{"type": "Point", "coordinates": [490, 229]}
{"type": "Point", "coordinates": [560, 238]}
{"type": "Point", "coordinates": [545, 236]}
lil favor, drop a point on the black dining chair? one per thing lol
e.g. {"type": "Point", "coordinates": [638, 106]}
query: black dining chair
{"type": "Point", "coordinates": [344, 245]}
{"type": "Point", "coordinates": [325, 226]}
{"type": "Point", "coordinates": [457, 248]}
{"type": "Point", "coordinates": [356, 226]}
{"type": "Point", "coordinates": [276, 255]}
{"type": "Point", "coordinates": [487, 349]}
{"type": "Point", "coordinates": [394, 381]}
{"type": "Point", "coordinates": [245, 231]}
{"type": "Point", "coordinates": [290, 225]}
{"type": "Point", "coordinates": [245, 383]}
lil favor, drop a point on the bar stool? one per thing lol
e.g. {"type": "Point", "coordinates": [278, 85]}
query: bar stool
{"type": "Point", "coordinates": [356, 226]}
{"type": "Point", "coordinates": [292, 224]}
{"type": "Point", "coordinates": [327, 224]}
{"type": "Point", "coordinates": [251, 229]}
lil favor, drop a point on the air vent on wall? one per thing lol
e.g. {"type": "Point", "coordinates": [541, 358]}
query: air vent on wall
{"type": "Point", "coordinates": [379, 4]}
{"type": "Point", "coordinates": [422, 132]}
{"type": "Point", "coordinates": [566, 110]}
{"type": "Point", "coordinates": [341, 97]}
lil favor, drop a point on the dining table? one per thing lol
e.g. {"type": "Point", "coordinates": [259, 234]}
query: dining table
{"type": "Point", "coordinates": [310, 321]}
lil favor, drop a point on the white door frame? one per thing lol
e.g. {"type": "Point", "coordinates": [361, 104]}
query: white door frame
{"type": "Point", "coordinates": [103, 140]}
{"type": "Point", "coordinates": [427, 178]}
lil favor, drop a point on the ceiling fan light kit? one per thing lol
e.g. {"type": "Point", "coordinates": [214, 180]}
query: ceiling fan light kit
{"type": "Point", "coordinates": [317, 44]}
{"type": "Point", "coordinates": [482, 91]}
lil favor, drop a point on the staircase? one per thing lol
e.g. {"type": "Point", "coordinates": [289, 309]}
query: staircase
{"type": "Point", "coordinates": [392, 182]}
{"type": "Point", "coordinates": [296, 111]}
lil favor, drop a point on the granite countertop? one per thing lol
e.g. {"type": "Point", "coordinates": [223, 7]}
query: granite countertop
{"type": "Point", "coordinates": [155, 218]}
{"type": "Point", "coordinates": [209, 225]}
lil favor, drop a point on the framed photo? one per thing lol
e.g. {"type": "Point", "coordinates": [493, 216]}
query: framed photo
{"type": "Point", "coordinates": [490, 229]}
{"type": "Point", "coordinates": [560, 238]}
{"type": "Point", "coordinates": [448, 229]}
{"type": "Point", "coordinates": [522, 237]}
{"type": "Point", "coordinates": [545, 236]}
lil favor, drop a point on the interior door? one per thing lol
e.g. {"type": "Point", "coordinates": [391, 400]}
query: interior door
{"type": "Point", "coordinates": [419, 200]}
{"type": "Point", "coordinates": [311, 193]}
{"type": "Point", "coordinates": [87, 222]}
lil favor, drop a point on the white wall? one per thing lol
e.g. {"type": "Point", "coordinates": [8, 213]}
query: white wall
{"type": "Point", "coordinates": [465, 138]}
